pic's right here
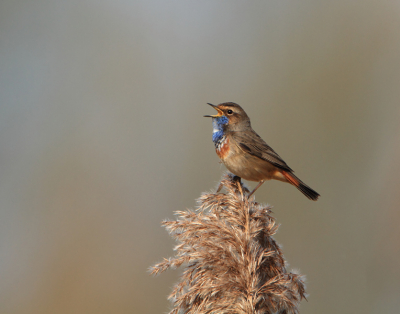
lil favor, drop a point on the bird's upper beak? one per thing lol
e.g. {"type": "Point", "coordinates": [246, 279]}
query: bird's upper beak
{"type": "Point", "coordinates": [220, 112]}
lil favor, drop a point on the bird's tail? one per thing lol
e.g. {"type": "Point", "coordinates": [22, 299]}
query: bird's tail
{"type": "Point", "coordinates": [302, 187]}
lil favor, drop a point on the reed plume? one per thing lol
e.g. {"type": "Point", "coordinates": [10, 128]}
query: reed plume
{"type": "Point", "coordinates": [231, 262]}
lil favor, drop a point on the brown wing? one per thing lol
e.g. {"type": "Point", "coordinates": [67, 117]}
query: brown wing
{"type": "Point", "coordinates": [252, 143]}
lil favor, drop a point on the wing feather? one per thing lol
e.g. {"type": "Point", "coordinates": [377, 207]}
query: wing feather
{"type": "Point", "coordinates": [252, 143]}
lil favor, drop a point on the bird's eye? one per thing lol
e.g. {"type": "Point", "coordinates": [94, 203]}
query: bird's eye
{"type": "Point", "coordinates": [229, 111]}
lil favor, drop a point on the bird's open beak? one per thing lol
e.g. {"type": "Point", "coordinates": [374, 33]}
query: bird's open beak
{"type": "Point", "coordinates": [220, 112]}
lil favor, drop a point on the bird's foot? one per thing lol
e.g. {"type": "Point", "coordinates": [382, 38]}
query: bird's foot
{"type": "Point", "coordinates": [235, 179]}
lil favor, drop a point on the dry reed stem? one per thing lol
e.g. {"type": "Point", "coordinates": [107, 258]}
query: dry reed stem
{"type": "Point", "coordinates": [232, 263]}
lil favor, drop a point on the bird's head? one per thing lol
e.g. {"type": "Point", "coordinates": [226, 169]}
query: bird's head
{"type": "Point", "coordinates": [231, 115]}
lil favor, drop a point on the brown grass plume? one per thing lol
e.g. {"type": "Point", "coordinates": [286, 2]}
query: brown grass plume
{"type": "Point", "coordinates": [231, 262]}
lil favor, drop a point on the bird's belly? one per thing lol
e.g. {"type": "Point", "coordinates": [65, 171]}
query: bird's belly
{"type": "Point", "coordinates": [249, 167]}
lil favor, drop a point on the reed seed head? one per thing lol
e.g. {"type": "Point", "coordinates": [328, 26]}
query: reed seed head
{"type": "Point", "coordinates": [232, 264]}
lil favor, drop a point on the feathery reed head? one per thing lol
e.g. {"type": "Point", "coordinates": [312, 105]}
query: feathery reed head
{"type": "Point", "coordinates": [232, 263]}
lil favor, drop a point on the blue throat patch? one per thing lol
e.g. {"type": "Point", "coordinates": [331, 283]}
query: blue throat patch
{"type": "Point", "coordinates": [218, 130]}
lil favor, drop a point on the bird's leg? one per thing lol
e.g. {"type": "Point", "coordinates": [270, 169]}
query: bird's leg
{"type": "Point", "coordinates": [255, 189]}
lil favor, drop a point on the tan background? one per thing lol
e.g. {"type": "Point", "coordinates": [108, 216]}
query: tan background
{"type": "Point", "coordinates": [102, 137]}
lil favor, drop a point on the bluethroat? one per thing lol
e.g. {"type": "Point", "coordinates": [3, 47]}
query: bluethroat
{"type": "Point", "coordinates": [245, 153]}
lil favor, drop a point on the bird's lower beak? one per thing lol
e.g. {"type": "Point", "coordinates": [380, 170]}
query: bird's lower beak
{"type": "Point", "coordinates": [220, 112]}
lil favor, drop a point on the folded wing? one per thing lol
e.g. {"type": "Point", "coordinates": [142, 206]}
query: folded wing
{"type": "Point", "coordinates": [256, 146]}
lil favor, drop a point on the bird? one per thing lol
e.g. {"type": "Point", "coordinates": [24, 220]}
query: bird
{"type": "Point", "coordinates": [246, 154]}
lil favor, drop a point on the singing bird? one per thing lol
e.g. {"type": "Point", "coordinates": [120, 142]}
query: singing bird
{"type": "Point", "coordinates": [245, 153]}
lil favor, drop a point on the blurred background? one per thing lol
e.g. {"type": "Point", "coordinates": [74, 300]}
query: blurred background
{"type": "Point", "coordinates": [102, 137]}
